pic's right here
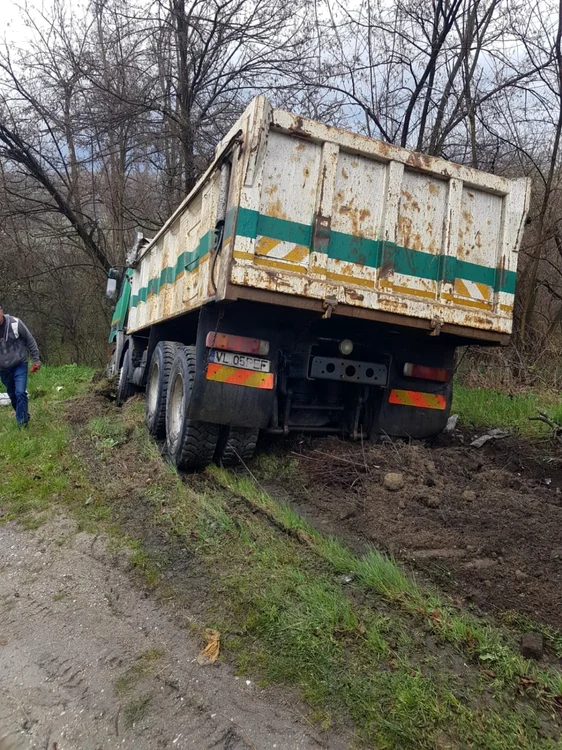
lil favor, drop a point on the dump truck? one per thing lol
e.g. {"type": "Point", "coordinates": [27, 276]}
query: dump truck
{"type": "Point", "coordinates": [313, 281]}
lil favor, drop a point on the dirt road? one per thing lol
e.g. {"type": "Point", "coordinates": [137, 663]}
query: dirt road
{"type": "Point", "coordinates": [88, 661]}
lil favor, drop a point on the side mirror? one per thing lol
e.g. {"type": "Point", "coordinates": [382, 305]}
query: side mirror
{"type": "Point", "coordinates": [111, 288]}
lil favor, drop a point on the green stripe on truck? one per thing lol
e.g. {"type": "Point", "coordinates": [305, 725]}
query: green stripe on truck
{"type": "Point", "coordinates": [186, 261]}
{"type": "Point", "coordinates": [345, 247]}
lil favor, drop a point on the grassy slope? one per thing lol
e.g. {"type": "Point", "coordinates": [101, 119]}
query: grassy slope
{"type": "Point", "coordinates": [490, 408]}
{"type": "Point", "coordinates": [356, 634]}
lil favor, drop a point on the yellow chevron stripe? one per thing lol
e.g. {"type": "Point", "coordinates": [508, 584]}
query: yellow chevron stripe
{"type": "Point", "coordinates": [461, 288]}
{"type": "Point", "coordinates": [298, 253]}
{"type": "Point", "coordinates": [473, 290]}
{"type": "Point", "coordinates": [265, 245]}
{"type": "Point", "coordinates": [485, 291]}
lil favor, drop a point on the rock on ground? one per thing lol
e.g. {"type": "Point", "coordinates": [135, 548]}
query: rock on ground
{"type": "Point", "coordinates": [393, 481]}
{"type": "Point", "coordinates": [532, 646]}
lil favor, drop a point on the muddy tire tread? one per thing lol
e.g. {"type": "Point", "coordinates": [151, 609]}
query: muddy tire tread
{"type": "Point", "coordinates": [237, 446]}
{"type": "Point", "coordinates": [169, 349]}
{"type": "Point", "coordinates": [199, 439]}
{"type": "Point", "coordinates": [124, 389]}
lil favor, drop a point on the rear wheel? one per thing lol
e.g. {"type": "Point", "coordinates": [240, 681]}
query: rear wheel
{"type": "Point", "coordinates": [125, 389]}
{"type": "Point", "coordinates": [190, 444]}
{"type": "Point", "coordinates": [157, 386]}
{"type": "Point", "coordinates": [236, 445]}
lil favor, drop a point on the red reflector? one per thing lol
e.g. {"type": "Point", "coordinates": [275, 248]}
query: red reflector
{"type": "Point", "coordinates": [234, 343]}
{"type": "Point", "coordinates": [427, 373]}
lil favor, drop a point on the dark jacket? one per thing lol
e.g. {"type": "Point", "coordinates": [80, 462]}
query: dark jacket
{"type": "Point", "coordinates": [14, 348]}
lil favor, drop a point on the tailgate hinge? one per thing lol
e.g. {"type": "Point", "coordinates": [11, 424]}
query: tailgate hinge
{"type": "Point", "coordinates": [329, 304]}
{"type": "Point", "coordinates": [435, 324]}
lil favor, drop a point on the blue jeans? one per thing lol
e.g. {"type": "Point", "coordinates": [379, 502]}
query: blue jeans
{"type": "Point", "coordinates": [15, 381]}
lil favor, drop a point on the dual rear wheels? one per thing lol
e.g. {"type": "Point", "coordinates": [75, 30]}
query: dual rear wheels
{"type": "Point", "coordinates": [190, 444]}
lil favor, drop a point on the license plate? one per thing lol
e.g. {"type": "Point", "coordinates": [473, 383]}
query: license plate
{"type": "Point", "coordinates": [245, 361]}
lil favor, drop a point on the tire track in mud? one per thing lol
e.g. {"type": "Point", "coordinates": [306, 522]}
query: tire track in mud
{"type": "Point", "coordinates": [74, 627]}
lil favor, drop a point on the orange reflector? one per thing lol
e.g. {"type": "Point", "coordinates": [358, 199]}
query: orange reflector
{"type": "Point", "coordinates": [233, 343]}
{"type": "Point", "coordinates": [416, 398]}
{"type": "Point", "coordinates": [236, 376]}
{"type": "Point", "coordinates": [440, 374]}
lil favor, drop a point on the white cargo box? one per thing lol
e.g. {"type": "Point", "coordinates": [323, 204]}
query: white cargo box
{"type": "Point", "coordinates": [320, 218]}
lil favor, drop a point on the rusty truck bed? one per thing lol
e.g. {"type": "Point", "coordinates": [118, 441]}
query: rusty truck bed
{"type": "Point", "coordinates": [321, 218]}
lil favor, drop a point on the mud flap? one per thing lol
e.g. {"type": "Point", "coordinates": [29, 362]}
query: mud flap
{"type": "Point", "coordinates": [226, 403]}
{"type": "Point", "coordinates": [411, 407]}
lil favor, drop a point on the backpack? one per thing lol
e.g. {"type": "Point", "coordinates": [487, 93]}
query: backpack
{"type": "Point", "coordinates": [15, 328]}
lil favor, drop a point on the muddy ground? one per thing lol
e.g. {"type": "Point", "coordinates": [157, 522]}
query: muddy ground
{"type": "Point", "coordinates": [88, 661]}
{"type": "Point", "coordinates": [485, 523]}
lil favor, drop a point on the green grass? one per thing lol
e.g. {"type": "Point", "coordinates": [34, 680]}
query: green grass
{"type": "Point", "coordinates": [38, 473]}
{"type": "Point", "coordinates": [484, 407]}
{"type": "Point", "coordinates": [286, 616]}
{"type": "Point", "coordinates": [146, 664]}
{"type": "Point", "coordinates": [136, 710]}
{"type": "Point", "coordinates": [379, 573]}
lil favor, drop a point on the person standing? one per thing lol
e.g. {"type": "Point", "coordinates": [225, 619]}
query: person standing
{"type": "Point", "coordinates": [16, 344]}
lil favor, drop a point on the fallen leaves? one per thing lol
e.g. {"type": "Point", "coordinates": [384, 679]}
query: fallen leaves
{"type": "Point", "coordinates": [210, 653]}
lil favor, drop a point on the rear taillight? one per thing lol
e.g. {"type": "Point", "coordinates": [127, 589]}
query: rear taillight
{"type": "Point", "coordinates": [234, 343]}
{"type": "Point", "coordinates": [422, 372]}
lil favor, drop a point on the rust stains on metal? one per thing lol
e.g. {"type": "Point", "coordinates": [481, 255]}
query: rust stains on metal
{"type": "Point", "coordinates": [385, 149]}
{"type": "Point", "coordinates": [275, 209]}
{"type": "Point", "coordinates": [297, 128]}
{"type": "Point", "coordinates": [404, 230]}
{"type": "Point", "coordinates": [386, 270]}
{"type": "Point", "coordinates": [418, 161]}
{"type": "Point", "coordinates": [434, 188]}
{"type": "Point", "coordinates": [306, 173]}
{"type": "Point", "coordinates": [352, 294]}
{"type": "Point", "coordinates": [344, 174]}
{"type": "Point", "coordinates": [356, 217]}
{"type": "Point", "coordinates": [394, 304]}
{"type": "Point", "coordinates": [410, 201]}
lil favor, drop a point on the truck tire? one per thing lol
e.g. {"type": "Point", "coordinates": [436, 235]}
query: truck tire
{"type": "Point", "coordinates": [111, 365]}
{"type": "Point", "coordinates": [157, 386]}
{"type": "Point", "coordinates": [190, 444]}
{"type": "Point", "coordinates": [125, 389]}
{"type": "Point", "coordinates": [236, 445]}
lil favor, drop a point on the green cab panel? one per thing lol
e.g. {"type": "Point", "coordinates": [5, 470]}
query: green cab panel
{"type": "Point", "coordinates": [122, 307]}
